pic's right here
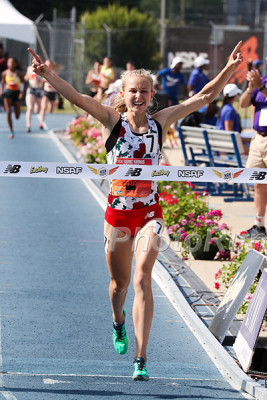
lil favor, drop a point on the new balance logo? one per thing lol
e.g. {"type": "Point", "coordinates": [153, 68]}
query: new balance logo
{"type": "Point", "coordinates": [134, 172]}
{"type": "Point", "coordinates": [12, 169]}
{"type": "Point", "coordinates": [258, 175]}
{"type": "Point", "coordinates": [150, 214]}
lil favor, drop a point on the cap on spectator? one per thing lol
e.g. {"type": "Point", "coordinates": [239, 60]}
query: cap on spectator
{"type": "Point", "coordinates": [231, 90]}
{"type": "Point", "coordinates": [199, 61]}
{"type": "Point", "coordinates": [175, 61]}
{"type": "Point", "coordinates": [257, 63]}
{"type": "Point", "coordinates": [114, 87]}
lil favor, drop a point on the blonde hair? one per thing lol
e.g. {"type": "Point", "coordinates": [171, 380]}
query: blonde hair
{"type": "Point", "coordinates": [117, 101]}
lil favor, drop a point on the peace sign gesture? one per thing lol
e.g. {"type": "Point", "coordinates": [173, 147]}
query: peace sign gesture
{"type": "Point", "coordinates": [38, 66]}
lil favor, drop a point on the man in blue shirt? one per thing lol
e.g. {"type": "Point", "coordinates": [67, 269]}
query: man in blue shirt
{"type": "Point", "coordinates": [171, 78]}
{"type": "Point", "coordinates": [197, 79]}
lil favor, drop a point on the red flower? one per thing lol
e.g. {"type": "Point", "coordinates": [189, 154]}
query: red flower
{"type": "Point", "coordinates": [243, 233]}
{"type": "Point", "coordinates": [141, 152]}
{"type": "Point", "coordinates": [190, 184]}
{"type": "Point", "coordinates": [137, 205]}
{"type": "Point", "coordinates": [217, 285]}
{"type": "Point", "coordinates": [258, 246]}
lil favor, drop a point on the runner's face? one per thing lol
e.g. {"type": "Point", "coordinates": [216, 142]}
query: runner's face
{"type": "Point", "coordinates": [137, 93]}
{"type": "Point", "coordinates": [11, 63]}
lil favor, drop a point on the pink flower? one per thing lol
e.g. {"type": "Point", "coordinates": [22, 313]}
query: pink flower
{"type": "Point", "coordinates": [184, 235]}
{"type": "Point", "coordinates": [217, 285]}
{"type": "Point", "coordinates": [248, 297]}
{"type": "Point", "coordinates": [190, 215]}
{"type": "Point", "coordinates": [169, 230]}
{"type": "Point", "coordinates": [184, 221]}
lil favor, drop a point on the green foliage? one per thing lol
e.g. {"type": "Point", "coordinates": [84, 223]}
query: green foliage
{"type": "Point", "coordinates": [178, 199]}
{"type": "Point", "coordinates": [129, 28]}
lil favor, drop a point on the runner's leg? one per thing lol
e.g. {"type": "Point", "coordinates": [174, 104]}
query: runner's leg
{"type": "Point", "coordinates": [146, 255]}
{"type": "Point", "coordinates": [119, 257]}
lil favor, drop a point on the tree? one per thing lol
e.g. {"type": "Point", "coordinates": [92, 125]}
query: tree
{"type": "Point", "coordinates": [134, 36]}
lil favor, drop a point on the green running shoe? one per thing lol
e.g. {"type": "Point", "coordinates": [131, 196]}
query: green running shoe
{"type": "Point", "coordinates": [120, 339]}
{"type": "Point", "coordinates": [140, 372]}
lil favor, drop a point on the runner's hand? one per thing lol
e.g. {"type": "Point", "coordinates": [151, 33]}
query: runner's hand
{"type": "Point", "coordinates": [235, 57]}
{"type": "Point", "coordinates": [38, 66]}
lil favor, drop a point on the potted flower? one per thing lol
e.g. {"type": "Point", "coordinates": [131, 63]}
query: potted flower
{"type": "Point", "coordinates": [203, 235]}
{"type": "Point", "coordinates": [189, 220]}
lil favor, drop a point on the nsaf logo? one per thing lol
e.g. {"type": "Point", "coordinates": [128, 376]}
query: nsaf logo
{"type": "Point", "coordinates": [227, 175]}
{"type": "Point", "coordinates": [103, 172]}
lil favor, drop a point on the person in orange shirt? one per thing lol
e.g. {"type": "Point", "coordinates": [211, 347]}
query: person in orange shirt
{"type": "Point", "coordinates": [10, 90]}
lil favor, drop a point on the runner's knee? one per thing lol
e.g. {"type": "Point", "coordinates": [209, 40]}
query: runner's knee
{"type": "Point", "coordinates": [141, 281]}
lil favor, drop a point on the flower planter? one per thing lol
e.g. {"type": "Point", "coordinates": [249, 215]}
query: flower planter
{"type": "Point", "coordinates": [200, 254]}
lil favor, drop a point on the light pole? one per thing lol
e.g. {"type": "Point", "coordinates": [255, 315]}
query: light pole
{"type": "Point", "coordinates": [162, 32]}
{"type": "Point", "coordinates": [108, 30]}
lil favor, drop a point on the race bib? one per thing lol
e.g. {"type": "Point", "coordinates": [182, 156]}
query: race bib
{"type": "Point", "coordinates": [263, 117]}
{"type": "Point", "coordinates": [132, 188]}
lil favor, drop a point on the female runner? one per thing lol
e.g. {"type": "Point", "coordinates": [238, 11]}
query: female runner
{"type": "Point", "coordinates": [10, 90]}
{"type": "Point", "coordinates": [132, 136]}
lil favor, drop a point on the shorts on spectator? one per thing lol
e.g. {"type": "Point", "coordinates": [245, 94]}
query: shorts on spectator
{"type": "Point", "coordinates": [257, 157]}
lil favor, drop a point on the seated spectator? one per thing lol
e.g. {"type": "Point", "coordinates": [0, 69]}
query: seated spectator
{"type": "Point", "coordinates": [228, 118]}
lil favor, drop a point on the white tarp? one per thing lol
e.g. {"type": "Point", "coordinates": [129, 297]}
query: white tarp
{"type": "Point", "coordinates": [13, 25]}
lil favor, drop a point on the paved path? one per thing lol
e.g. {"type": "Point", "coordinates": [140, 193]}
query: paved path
{"type": "Point", "coordinates": [56, 326]}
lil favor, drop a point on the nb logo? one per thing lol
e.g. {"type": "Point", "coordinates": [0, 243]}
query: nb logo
{"type": "Point", "coordinates": [258, 175]}
{"type": "Point", "coordinates": [150, 214]}
{"type": "Point", "coordinates": [133, 172]}
{"type": "Point", "coordinates": [12, 169]}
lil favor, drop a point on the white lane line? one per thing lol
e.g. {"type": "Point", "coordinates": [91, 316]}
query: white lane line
{"type": "Point", "coordinates": [109, 376]}
{"type": "Point", "coordinates": [5, 393]}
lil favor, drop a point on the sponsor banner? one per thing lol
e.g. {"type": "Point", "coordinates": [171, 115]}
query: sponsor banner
{"type": "Point", "coordinates": [132, 171]}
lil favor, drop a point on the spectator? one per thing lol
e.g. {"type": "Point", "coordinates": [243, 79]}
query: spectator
{"type": "Point", "coordinates": [256, 95]}
{"type": "Point", "coordinates": [257, 65]}
{"type": "Point", "coordinates": [209, 113]}
{"type": "Point", "coordinates": [107, 76]}
{"type": "Point", "coordinates": [228, 119]}
{"type": "Point", "coordinates": [3, 59]}
{"type": "Point", "coordinates": [197, 79]}
{"type": "Point", "coordinates": [171, 79]}
{"type": "Point", "coordinates": [130, 66]}
{"type": "Point", "coordinates": [93, 79]}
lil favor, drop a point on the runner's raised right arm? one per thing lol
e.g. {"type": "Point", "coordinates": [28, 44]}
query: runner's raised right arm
{"type": "Point", "coordinates": [104, 114]}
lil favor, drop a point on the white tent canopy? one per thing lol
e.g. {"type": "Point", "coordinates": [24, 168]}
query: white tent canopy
{"type": "Point", "coordinates": [13, 25]}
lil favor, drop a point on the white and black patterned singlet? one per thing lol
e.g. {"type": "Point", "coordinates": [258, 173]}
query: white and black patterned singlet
{"type": "Point", "coordinates": [123, 143]}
